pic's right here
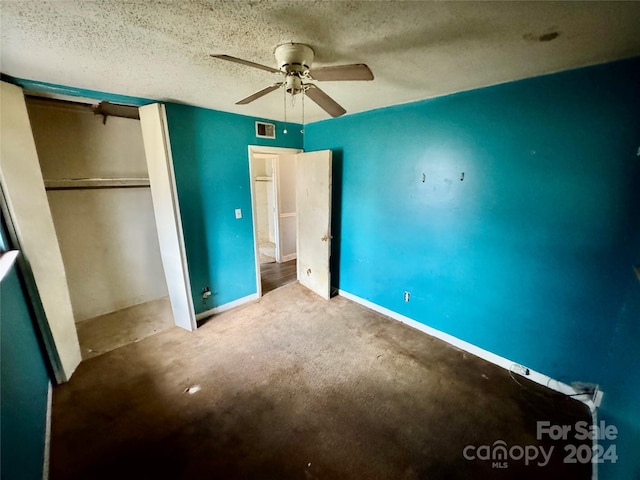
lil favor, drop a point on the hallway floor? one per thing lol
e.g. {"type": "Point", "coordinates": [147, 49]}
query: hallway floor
{"type": "Point", "coordinates": [296, 387]}
{"type": "Point", "coordinates": [275, 275]}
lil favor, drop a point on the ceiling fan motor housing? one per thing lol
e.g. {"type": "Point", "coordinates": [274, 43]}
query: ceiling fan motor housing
{"type": "Point", "coordinates": [294, 58]}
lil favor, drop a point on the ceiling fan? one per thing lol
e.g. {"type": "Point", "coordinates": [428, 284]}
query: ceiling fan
{"type": "Point", "coordinates": [294, 63]}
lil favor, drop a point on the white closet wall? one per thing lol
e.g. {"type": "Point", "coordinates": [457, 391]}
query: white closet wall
{"type": "Point", "coordinates": [264, 199]}
{"type": "Point", "coordinates": [287, 208]}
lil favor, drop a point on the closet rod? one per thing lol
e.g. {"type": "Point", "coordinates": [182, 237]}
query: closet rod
{"type": "Point", "coordinates": [95, 183]}
{"type": "Point", "coordinates": [96, 187]}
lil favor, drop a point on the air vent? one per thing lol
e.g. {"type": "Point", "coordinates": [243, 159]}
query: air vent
{"type": "Point", "coordinates": [265, 130]}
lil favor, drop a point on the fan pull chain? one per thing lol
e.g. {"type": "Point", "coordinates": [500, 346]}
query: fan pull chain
{"type": "Point", "coordinates": [284, 90]}
{"type": "Point", "coordinates": [303, 95]}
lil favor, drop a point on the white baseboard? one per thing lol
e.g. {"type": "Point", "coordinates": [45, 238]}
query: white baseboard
{"type": "Point", "coordinates": [286, 258]}
{"type": "Point", "coordinates": [594, 465]}
{"type": "Point", "coordinates": [47, 434]}
{"type": "Point", "coordinates": [227, 306]}
{"type": "Point", "coordinates": [505, 363]}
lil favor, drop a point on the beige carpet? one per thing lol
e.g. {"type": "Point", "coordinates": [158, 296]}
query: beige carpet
{"type": "Point", "coordinates": [113, 330]}
{"type": "Point", "coordinates": [295, 387]}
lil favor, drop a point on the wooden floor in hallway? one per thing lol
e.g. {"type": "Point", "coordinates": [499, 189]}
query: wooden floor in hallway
{"type": "Point", "coordinates": [275, 275]}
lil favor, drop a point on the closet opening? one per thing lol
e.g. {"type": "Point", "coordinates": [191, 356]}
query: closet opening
{"type": "Point", "coordinates": [93, 163]}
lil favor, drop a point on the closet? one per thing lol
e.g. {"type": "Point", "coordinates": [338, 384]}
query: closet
{"type": "Point", "coordinates": [96, 177]}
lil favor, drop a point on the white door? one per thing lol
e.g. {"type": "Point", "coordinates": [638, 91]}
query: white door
{"type": "Point", "coordinates": [313, 193]}
{"type": "Point", "coordinates": [27, 205]}
{"type": "Point", "coordinates": [157, 149]}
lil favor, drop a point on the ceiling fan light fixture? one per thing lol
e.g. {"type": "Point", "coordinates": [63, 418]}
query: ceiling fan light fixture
{"type": "Point", "coordinates": [293, 85]}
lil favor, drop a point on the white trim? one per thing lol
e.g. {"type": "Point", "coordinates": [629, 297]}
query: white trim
{"type": "Point", "coordinates": [47, 435]}
{"type": "Point", "coordinates": [227, 306]}
{"type": "Point", "coordinates": [287, 258]}
{"type": "Point", "coordinates": [505, 363]}
{"type": "Point", "coordinates": [594, 465]}
{"type": "Point", "coordinates": [254, 221]}
{"type": "Point", "coordinates": [7, 259]}
{"type": "Point", "coordinates": [275, 192]}
{"type": "Point", "coordinates": [56, 96]}
{"type": "Point", "coordinates": [25, 202]}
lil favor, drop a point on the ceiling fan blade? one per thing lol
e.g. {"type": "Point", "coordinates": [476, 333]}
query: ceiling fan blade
{"type": "Point", "coordinates": [356, 71]}
{"type": "Point", "coordinates": [246, 62]}
{"type": "Point", "coordinates": [259, 94]}
{"type": "Point", "coordinates": [324, 101]}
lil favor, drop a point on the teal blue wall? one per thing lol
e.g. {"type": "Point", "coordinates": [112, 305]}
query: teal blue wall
{"type": "Point", "coordinates": [621, 380]}
{"type": "Point", "coordinates": [211, 161]}
{"type": "Point", "coordinates": [24, 384]}
{"type": "Point", "coordinates": [530, 256]}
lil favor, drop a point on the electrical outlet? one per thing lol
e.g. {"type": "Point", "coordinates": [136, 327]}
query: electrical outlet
{"type": "Point", "coordinates": [206, 293]}
{"type": "Point", "coordinates": [520, 369]}
{"type": "Point", "coordinates": [407, 296]}
{"type": "Point", "coordinates": [597, 398]}
{"type": "Point", "coordinates": [589, 389]}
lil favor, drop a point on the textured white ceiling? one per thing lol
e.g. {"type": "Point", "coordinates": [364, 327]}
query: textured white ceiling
{"type": "Point", "coordinates": [416, 50]}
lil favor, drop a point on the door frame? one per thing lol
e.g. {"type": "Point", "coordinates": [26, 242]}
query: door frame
{"type": "Point", "coordinates": [275, 194]}
{"type": "Point", "coordinates": [256, 149]}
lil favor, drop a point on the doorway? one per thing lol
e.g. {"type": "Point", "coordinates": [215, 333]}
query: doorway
{"type": "Point", "coordinates": [273, 193]}
{"type": "Point", "coordinates": [302, 190]}
{"type": "Point", "coordinates": [266, 210]}
{"type": "Point", "coordinates": [97, 184]}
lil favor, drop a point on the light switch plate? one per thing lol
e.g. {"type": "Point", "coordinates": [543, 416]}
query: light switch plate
{"type": "Point", "coordinates": [238, 213]}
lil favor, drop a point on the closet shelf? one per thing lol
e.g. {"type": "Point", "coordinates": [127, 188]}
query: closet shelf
{"type": "Point", "coordinates": [87, 183]}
